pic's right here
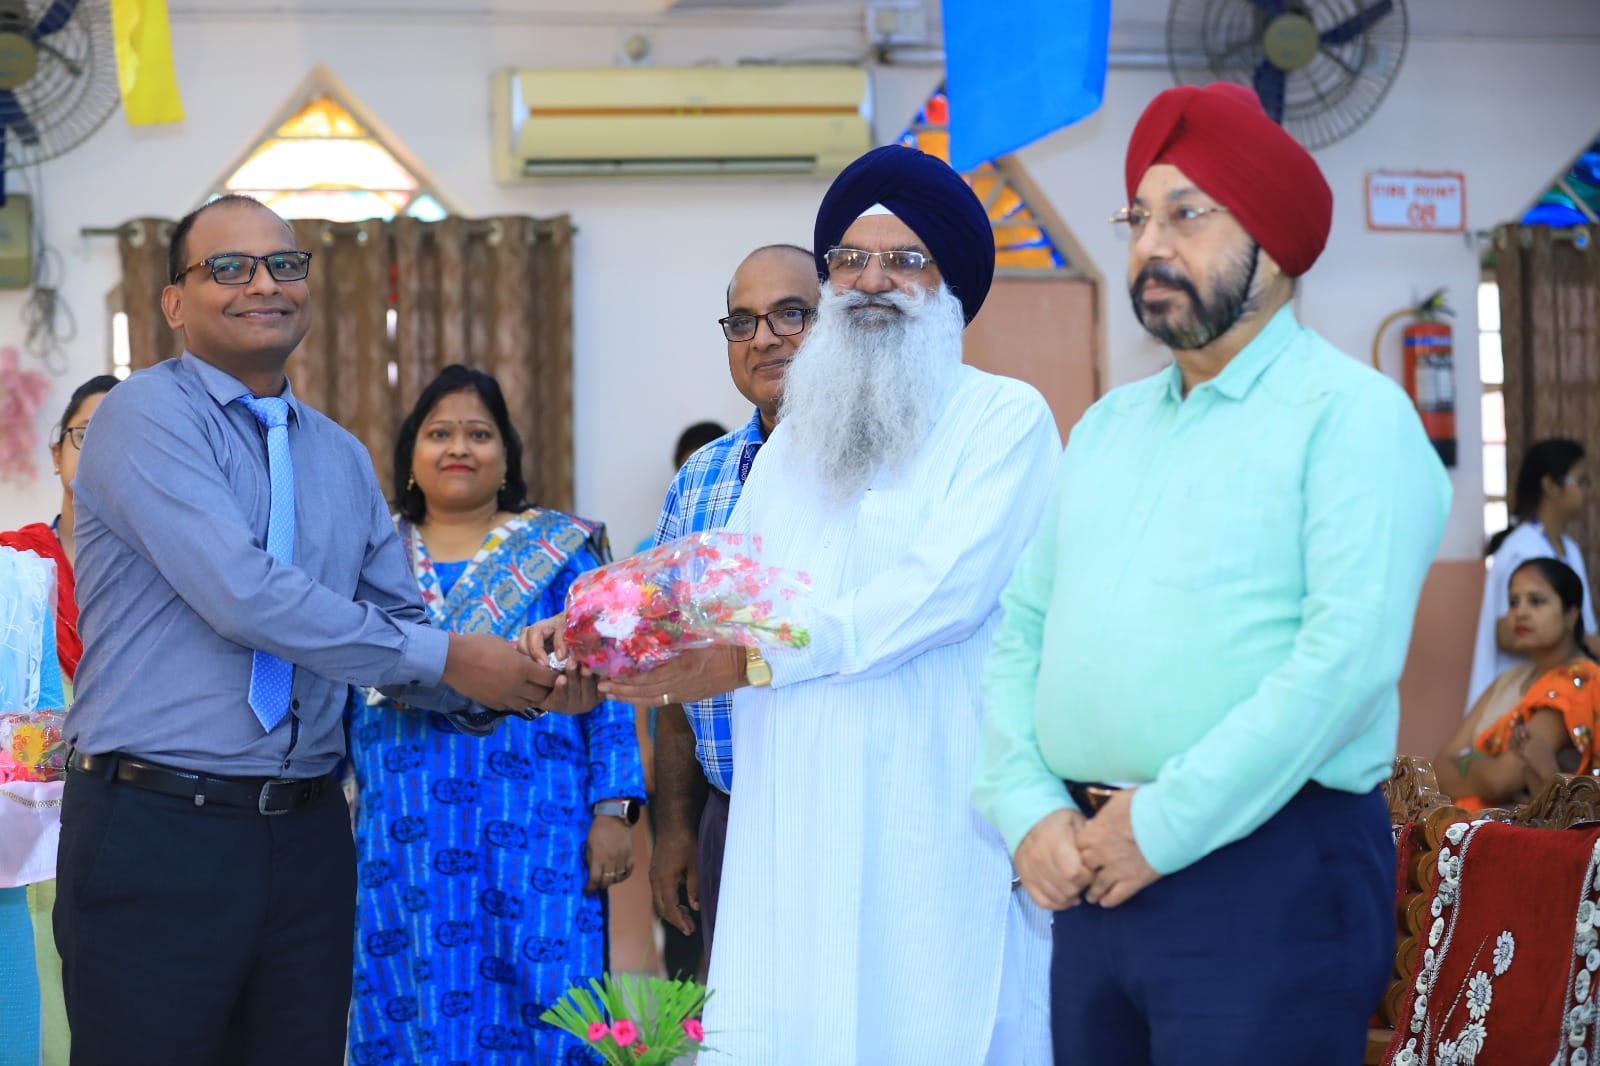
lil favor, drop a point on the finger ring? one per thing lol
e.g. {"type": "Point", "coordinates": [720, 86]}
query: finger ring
{"type": "Point", "coordinates": [665, 699]}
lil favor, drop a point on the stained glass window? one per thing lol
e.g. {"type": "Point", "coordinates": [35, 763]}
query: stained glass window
{"type": "Point", "coordinates": [322, 161]}
{"type": "Point", "coordinates": [1021, 239]}
{"type": "Point", "coordinates": [1573, 199]}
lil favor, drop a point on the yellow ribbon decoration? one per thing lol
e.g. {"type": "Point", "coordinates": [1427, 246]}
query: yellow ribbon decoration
{"type": "Point", "coordinates": [145, 73]}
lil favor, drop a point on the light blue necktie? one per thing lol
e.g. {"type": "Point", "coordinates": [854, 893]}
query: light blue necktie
{"type": "Point", "coordinates": [270, 677]}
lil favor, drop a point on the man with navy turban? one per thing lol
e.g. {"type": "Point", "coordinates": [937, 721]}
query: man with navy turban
{"type": "Point", "coordinates": [1192, 702]}
{"type": "Point", "coordinates": [868, 916]}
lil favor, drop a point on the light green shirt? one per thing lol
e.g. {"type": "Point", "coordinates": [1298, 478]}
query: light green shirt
{"type": "Point", "coordinates": [1219, 601]}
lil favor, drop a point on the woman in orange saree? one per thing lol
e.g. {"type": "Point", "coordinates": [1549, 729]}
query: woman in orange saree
{"type": "Point", "coordinates": [1551, 729]}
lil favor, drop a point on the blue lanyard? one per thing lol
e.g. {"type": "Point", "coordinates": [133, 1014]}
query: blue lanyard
{"type": "Point", "coordinates": [748, 459]}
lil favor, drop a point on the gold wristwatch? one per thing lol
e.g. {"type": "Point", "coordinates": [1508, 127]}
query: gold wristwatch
{"type": "Point", "coordinates": [756, 671]}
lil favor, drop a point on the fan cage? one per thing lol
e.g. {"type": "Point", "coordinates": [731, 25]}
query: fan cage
{"type": "Point", "coordinates": [1220, 40]}
{"type": "Point", "coordinates": [73, 90]}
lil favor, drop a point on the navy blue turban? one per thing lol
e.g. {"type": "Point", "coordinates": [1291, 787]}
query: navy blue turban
{"type": "Point", "coordinates": [923, 192]}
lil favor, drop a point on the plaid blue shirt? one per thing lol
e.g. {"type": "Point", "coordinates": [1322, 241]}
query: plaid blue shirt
{"type": "Point", "coordinates": [701, 498]}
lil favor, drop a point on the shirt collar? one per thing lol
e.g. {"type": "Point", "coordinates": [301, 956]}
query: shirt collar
{"type": "Point", "coordinates": [754, 429]}
{"type": "Point", "coordinates": [1244, 369]}
{"type": "Point", "coordinates": [225, 388]}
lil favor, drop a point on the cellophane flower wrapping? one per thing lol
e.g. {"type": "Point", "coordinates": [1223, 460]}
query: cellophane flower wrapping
{"type": "Point", "coordinates": [693, 592]}
{"type": "Point", "coordinates": [32, 755]}
{"type": "Point", "coordinates": [32, 701]}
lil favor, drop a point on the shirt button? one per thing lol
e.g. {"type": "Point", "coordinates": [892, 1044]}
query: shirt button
{"type": "Point", "coordinates": [294, 705]}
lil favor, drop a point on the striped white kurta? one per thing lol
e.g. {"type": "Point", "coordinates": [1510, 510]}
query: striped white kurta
{"type": "Point", "coordinates": [867, 913]}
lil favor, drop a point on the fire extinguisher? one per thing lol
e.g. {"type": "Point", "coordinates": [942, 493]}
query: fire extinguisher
{"type": "Point", "coordinates": [1429, 370]}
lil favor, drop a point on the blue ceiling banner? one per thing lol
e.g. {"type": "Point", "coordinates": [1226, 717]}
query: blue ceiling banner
{"type": "Point", "coordinates": [1018, 71]}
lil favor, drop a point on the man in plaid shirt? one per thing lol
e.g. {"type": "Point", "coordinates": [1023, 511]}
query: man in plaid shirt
{"type": "Point", "coordinates": [771, 303]}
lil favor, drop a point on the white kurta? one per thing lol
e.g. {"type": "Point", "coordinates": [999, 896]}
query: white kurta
{"type": "Point", "coordinates": [1527, 541]}
{"type": "Point", "coordinates": [867, 912]}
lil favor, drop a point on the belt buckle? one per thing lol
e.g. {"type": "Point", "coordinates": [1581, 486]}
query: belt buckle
{"type": "Point", "coordinates": [266, 790]}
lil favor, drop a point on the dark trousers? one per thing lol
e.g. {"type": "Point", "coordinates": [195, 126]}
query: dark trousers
{"type": "Point", "coordinates": [207, 936]}
{"type": "Point", "coordinates": [708, 868]}
{"type": "Point", "coordinates": [1275, 948]}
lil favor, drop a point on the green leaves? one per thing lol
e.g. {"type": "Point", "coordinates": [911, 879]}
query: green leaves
{"type": "Point", "coordinates": [631, 1020]}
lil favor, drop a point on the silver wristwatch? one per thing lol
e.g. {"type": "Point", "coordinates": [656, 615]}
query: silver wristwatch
{"type": "Point", "coordinates": [626, 809]}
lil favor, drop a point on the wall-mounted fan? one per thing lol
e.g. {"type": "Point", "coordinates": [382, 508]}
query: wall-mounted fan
{"type": "Point", "coordinates": [58, 78]}
{"type": "Point", "coordinates": [1320, 67]}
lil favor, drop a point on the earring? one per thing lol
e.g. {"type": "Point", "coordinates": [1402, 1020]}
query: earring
{"type": "Point", "coordinates": [411, 482]}
{"type": "Point", "coordinates": [502, 484]}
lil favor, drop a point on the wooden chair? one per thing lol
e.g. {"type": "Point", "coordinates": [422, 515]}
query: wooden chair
{"type": "Point", "coordinates": [1424, 815]}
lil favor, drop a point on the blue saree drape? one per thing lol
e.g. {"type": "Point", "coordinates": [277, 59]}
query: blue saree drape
{"type": "Point", "coordinates": [472, 918]}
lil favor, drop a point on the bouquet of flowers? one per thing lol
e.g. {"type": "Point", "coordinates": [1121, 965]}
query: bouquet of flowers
{"type": "Point", "coordinates": [32, 755]}
{"type": "Point", "coordinates": [634, 1021]}
{"type": "Point", "coordinates": [31, 748]}
{"type": "Point", "coordinates": [699, 590]}
{"type": "Point", "coordinates": [31, 695]}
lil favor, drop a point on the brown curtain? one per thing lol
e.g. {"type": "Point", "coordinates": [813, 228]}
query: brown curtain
{"type": "Point", "coordinates": [1550, 333]}
{"type": "Point", "coordinates": [495, 294]}
{"type": "Point", "coordinates": [142, 246]}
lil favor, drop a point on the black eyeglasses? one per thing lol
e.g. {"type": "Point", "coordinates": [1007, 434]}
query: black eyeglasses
{"type": "Point", "coordinates": [233, 268]}
{"type": "Point", "coordinates": [73, 435]}
{"type": "Point", "coordinates": [784, 322]}
{"type": "Point", "coordinates": [899, 263]}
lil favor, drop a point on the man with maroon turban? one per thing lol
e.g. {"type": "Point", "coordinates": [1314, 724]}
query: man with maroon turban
{"type": "Point", "coordinates": [1191, 701]}
{"type": "Point", "coordinates": [868, 916]}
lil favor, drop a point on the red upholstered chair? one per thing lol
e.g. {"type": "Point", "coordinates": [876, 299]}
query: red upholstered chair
{"type": "Point", "coordinates": [1503, 964]}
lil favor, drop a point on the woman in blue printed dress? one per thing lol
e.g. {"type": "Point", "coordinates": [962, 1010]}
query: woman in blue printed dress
{"type": "Point", "coordinates": [483, 862]}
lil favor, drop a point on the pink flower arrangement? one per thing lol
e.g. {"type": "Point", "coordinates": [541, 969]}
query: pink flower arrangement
{"type": "Point", "coordinates": [699, 590]}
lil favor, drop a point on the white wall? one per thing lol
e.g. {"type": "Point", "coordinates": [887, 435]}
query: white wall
{"type": "Point", "coordinates": [653, 257]}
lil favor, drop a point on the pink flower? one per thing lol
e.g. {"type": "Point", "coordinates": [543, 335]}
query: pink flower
{"type": "Point", "coordinates": [694, 1030]}
{"type": "Point", "coordinates": [624, 1033]}
{"type": "Point", "coordinates": [597, 1032]}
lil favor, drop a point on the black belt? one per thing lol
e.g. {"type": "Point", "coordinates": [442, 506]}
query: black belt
{"type": "Point", "coordinates": [267, 795]}
{"type": "Point", "coordinates": [1090, 796]}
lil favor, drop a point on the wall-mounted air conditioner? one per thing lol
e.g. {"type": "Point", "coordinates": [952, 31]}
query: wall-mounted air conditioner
{"type": "Point", "coordinates": [689, 120]}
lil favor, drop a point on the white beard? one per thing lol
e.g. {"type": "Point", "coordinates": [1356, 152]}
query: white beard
{"type": "Point", "coordinates": [864, 390]}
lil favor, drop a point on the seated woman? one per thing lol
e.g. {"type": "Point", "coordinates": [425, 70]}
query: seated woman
{"type": "Point", "coordinates": [1550, 730]}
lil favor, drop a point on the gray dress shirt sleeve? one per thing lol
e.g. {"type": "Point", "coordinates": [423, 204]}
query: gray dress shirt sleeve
{"type": "Point", "coordinates": [175, 507]}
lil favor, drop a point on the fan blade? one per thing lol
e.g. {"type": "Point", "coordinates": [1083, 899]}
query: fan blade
{"type": "Point", "coordinates": [1357, 24]}
{"type": "Point", "coordinates": [55, 16]}
{"type": "Point", "coordinates": [13, 117]}
{"type": "Point", "coordinates": [1269, 7]}
{"type": "Point", "coordinates": [1269, 84]}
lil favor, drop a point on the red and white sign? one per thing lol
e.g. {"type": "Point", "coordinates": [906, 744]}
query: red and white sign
{"type": "Point", "coordinates": [1417, 200]}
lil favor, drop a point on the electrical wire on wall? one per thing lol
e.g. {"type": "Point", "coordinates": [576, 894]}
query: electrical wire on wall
{"type": "Point", "coordinates": [47, 321]}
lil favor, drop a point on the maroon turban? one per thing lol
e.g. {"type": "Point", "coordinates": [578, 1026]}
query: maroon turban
{"type": "Point", "coordinates": [1222, 139]}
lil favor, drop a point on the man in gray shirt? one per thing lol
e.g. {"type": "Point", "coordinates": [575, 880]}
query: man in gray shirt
{"type": "Point", "coordinates": [237, 574]}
